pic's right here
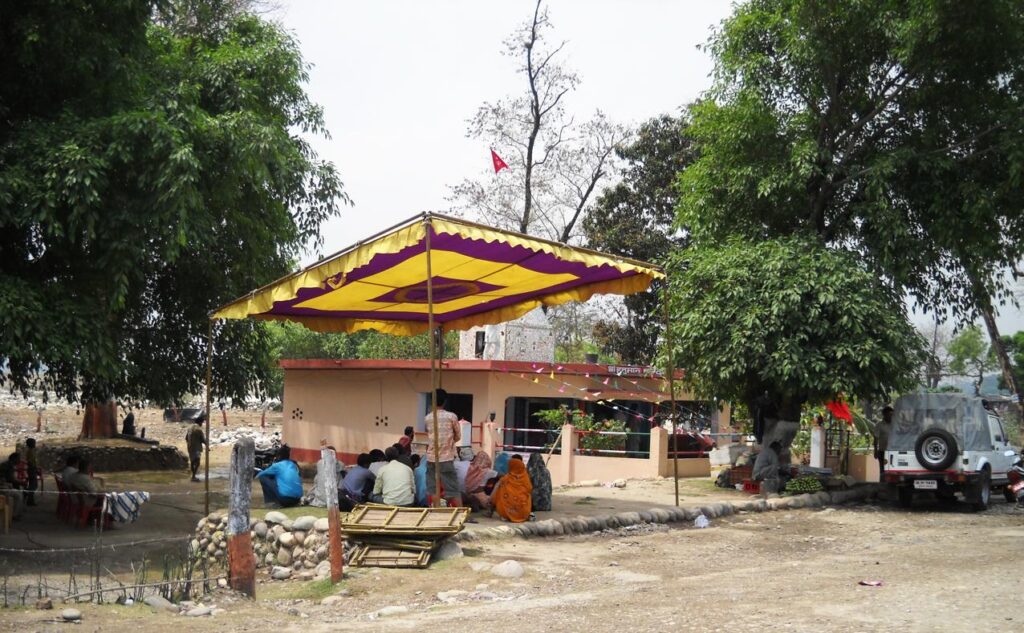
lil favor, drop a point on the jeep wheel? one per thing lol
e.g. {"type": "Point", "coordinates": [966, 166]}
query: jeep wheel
{"type": "Point", "coordinates": [983, 493]}
{"type": "Point", "coordinates": [906, 496]}
{"type": "Point", "coordinates": [936, 449]}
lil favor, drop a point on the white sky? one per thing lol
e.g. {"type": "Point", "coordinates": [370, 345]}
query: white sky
{"type": "Point", "coordinates": [399, 79]}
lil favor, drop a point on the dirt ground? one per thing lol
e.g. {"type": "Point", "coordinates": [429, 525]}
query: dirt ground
{"type": "Point", "coordinates": [942, 568]}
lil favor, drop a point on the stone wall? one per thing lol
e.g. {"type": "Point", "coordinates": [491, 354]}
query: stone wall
{"type": "Point", "coordinates": [287, 547]}
{"type": "Point", "coordinates": [106, 458]}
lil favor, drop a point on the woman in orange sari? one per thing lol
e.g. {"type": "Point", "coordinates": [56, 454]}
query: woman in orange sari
{"type": "Point", "coordinates": [511, 498]}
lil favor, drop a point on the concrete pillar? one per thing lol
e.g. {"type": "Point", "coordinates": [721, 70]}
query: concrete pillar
{"type": "Point", "coordinates": [658, 457]}
{"type": "Point", "coordinates": [570, 442]}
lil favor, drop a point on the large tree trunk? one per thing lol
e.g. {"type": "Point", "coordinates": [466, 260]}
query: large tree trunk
{"type": "Point", "coordinates": [99, 420]}
{"type": "Point", "coordinates": [984, 302]}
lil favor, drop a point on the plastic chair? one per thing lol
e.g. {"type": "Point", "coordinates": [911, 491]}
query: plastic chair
{"type": "Point", "coordinates": [89, 508]}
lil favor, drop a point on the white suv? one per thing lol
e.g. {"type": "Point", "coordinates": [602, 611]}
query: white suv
{"type": "Point", "coordinates": [946, 444]}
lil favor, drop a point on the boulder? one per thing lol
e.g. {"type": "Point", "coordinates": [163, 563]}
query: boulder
{"type": "Point", "coordinates": [281, 573]}
{"type": "Point", "coordinates": [321, 525]}
{"type": "Point", "coordinates": [332, 600]}
{"type": "Point", "coordinates": [286, 539]}
{"type": "Point", "coordinates": [448, 551]}
{"type": "Point", "coordinates": [300, 536]}
{"type": "Point", "coordinates": [304, 523]}
{"type": "Point", "coordinates": [260, 529]}
{"type": "Point", "coordinates": [71, 615]}
{"type": "Point", "coordinates": [275, 517]}
{"type": "Point", "coordinates": [508, 569]}
{"type": "Point", "coordinates": [198, 612]}
{"type": "Point", "coordinates": [161, 603]}
{"type": "Point", "coordinates": [323, 570]}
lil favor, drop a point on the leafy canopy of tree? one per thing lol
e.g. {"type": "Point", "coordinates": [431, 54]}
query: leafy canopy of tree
{"type": "Point", "coordinates": [790, 319]}
{"type": "Point", "coordinates": [152, 167]}
{"type": "Point", "coordinates": [970, 356]}
{"type": "Point", "coordinates": [292, 341]}
{"type": "Point", "coordinates": [635, 219]}
{"type": "Point", "coordinates": [888, 127]}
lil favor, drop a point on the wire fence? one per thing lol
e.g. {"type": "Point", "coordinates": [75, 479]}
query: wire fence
{"type": "Point", "coordinates": [99, 566]}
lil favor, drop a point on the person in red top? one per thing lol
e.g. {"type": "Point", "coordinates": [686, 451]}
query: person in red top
{"type": "Point", "coordinates": [406, 440]}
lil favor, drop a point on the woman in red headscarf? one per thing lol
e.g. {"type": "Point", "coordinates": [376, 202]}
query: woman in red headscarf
{"type": "Point", "coordinates": [511, 498]}
{"type": "Point", "coordinates": [476, 478]}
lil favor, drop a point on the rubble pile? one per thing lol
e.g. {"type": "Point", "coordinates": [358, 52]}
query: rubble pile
{"type": "Point", "coordinates": [264, 440]}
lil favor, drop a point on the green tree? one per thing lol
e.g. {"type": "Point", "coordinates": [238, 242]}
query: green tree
{"type": "Point", "coordinates": [971, 356]}
{"type": "Point", "coordinates": [152, 167]}
{"type": "Point", "coordinates": [1015, 347]}
{"type": "Point", "coordinates": [790, 319]}
{"type": "Point", "coordinates": [635, 219]}
{"type": "Point", "coordinates": [889, 128]}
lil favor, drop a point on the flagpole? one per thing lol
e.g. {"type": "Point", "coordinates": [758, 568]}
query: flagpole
{"type": "Point", "coordinates": [433, 370]}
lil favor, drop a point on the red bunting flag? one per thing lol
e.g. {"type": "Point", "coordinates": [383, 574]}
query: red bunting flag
{"type": "Point", "coordinates": [498, 163]}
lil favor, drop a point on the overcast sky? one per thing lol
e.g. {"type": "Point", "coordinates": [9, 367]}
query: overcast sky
{"type": "Point", "coordinates": [399, 79]}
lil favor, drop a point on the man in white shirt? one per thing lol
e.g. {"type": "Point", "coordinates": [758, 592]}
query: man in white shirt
{"type": "Point", "coordinates": [70, 468]}
{"type": "Point", "coordinates": [395, 484]}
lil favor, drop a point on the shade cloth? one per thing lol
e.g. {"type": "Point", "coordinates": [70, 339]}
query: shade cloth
{"type": "Point", "coordinates": [480, 276]}
{"type": "Point", "coordinates": [962, 416]}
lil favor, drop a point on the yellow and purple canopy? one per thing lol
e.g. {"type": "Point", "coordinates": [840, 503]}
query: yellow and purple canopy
{"type": "Point", "coordinates": [479, 276]}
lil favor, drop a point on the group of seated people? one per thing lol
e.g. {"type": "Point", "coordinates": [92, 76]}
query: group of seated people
{"type": "Point", "coordinates": [398, 477]}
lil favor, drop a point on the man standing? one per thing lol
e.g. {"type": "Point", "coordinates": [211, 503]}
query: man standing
{"type": "Point", "coordinates": [448, 435]}
{"type": "Point", "coordinates": [766, 468]}
{"type": "Point", "coordinates": [10, 487]}
{"type": "Point", "coordinates": [882, 432]}
{"type": "Point", "coordinates": [395, 485]}
{"type": "Point", "coordinates": [195, 439]}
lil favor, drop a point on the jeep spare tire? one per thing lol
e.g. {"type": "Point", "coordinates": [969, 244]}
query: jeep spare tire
{"type": "Point", "coordinates": [936, 449]}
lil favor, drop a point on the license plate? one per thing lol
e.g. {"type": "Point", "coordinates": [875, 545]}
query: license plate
{"type": "Point", "coordinates": [926, 484]}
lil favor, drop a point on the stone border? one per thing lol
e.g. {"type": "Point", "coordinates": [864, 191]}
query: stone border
{"type": "Point", "coordinates": [584, 525]}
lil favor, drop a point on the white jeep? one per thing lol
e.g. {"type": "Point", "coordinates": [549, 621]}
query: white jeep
{"type": "Point", "coordinates": [946, 444]}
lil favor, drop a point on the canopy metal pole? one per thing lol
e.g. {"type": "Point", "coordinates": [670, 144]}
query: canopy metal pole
{"type": "Point", "coordinates": [434, 373]}
{"type": "Point", "coordinates": [670, 370]}
{"type": "Point", "coordinates": [209, 376]}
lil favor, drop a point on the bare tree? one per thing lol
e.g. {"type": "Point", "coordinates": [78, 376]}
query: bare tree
{"type": "Point", "coordinates": [937, 359]}
{"type": "Point", "coordinates": [555, 164]}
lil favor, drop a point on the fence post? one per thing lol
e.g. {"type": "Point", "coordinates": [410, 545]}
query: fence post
{"type": "Point", "coordinates": [570, 441]}
{"type": "Point", "coordinates": [659, 452]}
{"type": "Point", "coordinates": [241, 559]}
{"type": "Point", "coordinates": [328, 466]}
{"type": "Point", "coordinates": [489, 440]}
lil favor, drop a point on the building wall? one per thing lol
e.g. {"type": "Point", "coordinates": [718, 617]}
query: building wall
{"type": "Point", "coordinates": [528, 338]}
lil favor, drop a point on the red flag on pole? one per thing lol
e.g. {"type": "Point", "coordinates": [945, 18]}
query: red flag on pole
{"type": "Point", "coordinates": [840, 410]}
{"type": "Point", "coordinates": [498, 163]}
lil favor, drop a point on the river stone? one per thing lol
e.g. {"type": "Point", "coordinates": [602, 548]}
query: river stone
{"type": "Point", "coordinates": [594, 524]}
{"type": "Point", "coordinates": [260, 529]}
{"type": "Point", "coordinates": [300, 536]}
{"type": "Point", "coordinates": [281, 573]}
{"type": "Point", "coordinates": [452, 595]}
{"type": "Point", "coordinates": [660, 515]}
{"type": "Point", "coordinates": [323, 550]}
{"type": "Point", "coordinates": [629, 518]}
{"type": "Point", "coordinates": [298, 551]}
{"type": "Point", "coordinates": [275, 517]}
{"type": "Point", "coordinates": [269, 558]}
{"type": "Point", "coordinates": [287, 539]}
{"type": "Point", "coordinates": [287, 524]}
{"type": "Point", "coordinates": [284, 557]}
{"type": "Point", "coordinates": [332, 600]}
{"type": "Point", "coordinates": [508, 569]}
{"type": "Point", "coordinates": [323, 569]}
{"type": "Point", "coordinates": [321, 525]}
{"type": "Point", "coordinates": [71, 615]}
{"type": "Point", "coordinates": [479, 565]}
{"type": "Point", "coordinates": [393, 610]}
{"type": "Point", "coordinates": [304, 523]}
{"type": "Point", "coordinates": [198, 612]}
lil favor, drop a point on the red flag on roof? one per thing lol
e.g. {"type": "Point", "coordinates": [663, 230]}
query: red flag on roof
{"type": "Point", "coordinates": [840, 410]}
{"type": "Point", "coordinates": [498, 163]}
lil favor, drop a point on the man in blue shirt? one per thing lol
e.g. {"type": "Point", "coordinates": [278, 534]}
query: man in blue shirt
{"type": "Point", "coordinates": [357, 484]}
{"type": "Point", "coordinates": [282, 485]}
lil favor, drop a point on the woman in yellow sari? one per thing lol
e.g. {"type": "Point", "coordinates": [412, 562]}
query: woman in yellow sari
{"type": "Point", "coordinates": [511, 498]}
